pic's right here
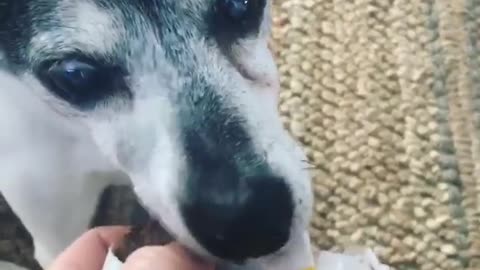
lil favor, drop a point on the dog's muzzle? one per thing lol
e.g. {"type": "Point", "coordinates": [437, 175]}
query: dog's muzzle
{"type": "Point", "coordinates": [233, 203]}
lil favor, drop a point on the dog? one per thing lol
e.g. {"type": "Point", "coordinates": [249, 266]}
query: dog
{"type": "Point", "coordinates": [177, 98]}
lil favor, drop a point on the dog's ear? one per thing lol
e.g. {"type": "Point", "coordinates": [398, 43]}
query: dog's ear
{"type": "Point", "coordinates": [10, 14]}
{"type": "Point", "coordinates": [4, 4]}
{"type": "Point", "coordinates": [6, 10]}
{"type": "Point", "coordinates": [3, 9]}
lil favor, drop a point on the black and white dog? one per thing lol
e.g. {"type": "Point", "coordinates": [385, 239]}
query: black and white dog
{"type": "Point", "coordinates": [176, 97]}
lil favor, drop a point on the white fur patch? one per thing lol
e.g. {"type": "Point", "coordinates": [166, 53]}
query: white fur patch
{"type": "Point", "coordinates": [52, 173]}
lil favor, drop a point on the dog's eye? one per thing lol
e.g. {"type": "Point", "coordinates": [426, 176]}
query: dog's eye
{"type": "Point", "coordinates": [237, 18]}
{"type": "Point", "coordinates": [235, 9]}
{"type": "Point", "coordinates": [74, 76]}
{"type": "Point", "coordinates": [79, 82]}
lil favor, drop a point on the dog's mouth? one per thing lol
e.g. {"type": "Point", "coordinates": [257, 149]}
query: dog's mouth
{"type": "Point", "coordinates": [145, 230]}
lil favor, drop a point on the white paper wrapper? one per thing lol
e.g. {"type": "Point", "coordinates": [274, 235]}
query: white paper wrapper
{"type": "Point", "coordinates": [112, 262]}
{"type": "Point", "coordinates": [358, 260]}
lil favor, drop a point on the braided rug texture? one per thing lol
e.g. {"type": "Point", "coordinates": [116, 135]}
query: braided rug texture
{"type": "Point", "coordinates": [385, 97]}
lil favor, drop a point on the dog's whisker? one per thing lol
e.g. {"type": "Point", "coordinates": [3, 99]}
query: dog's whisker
{"type": "Point", "coordinates": [312, 168]}
{"type": "Point", "coordinates": [306, 161]}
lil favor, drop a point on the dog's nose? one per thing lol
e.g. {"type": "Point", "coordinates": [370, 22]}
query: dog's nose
{"type": "Point", "coordinates": [249, 219]}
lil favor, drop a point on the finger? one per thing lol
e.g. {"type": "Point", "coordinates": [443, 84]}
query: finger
{"type": "Point", "coordinates": [169, 257]}
{"type": "Point", "coordinates": [89, 251]}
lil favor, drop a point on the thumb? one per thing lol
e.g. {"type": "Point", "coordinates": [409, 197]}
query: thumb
{"type": "Point", "coordinates": [169, 257]}
{"type": "Point", "coordinates": [89, 251]}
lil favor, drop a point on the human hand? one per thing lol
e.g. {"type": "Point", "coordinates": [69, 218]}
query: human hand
{"type": "Point", "coordinates": [90, 250]}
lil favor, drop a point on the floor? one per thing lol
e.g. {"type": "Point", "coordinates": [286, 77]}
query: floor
{"type": "Point", "coordinates": [115, 207]}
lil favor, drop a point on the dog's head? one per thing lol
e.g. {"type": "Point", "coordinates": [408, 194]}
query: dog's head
{"type": "Point", "coordinates": [182, 96]}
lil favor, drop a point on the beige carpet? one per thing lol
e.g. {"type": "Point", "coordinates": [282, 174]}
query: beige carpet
{"type": "Point", "coordinates": [385, 96]}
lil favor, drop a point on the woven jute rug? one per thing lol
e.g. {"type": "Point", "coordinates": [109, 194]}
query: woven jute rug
{"type": "Point", "coordinates": [385, 97]}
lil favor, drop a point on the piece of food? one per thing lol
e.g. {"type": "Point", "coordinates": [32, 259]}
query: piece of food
{"type": "Point", "coordinates": [150, 234]}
